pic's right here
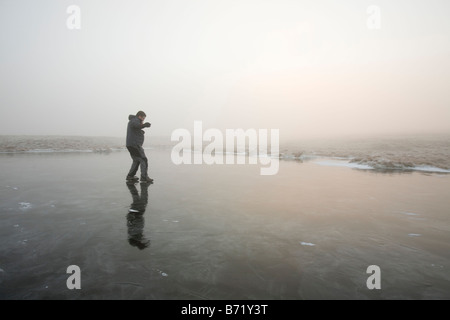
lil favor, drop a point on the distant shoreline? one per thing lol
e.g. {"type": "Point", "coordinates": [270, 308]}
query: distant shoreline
{"type": "Point", "coordinates": [60, 143]}
{"type": "Point", "coordinates": [387, 153]}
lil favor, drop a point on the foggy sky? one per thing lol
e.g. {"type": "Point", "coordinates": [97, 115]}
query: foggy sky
{"type": "Point", "coordinates": [308, 68]}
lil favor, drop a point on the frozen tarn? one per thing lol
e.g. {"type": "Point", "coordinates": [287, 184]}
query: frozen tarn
{"type": "Point", "coordinates": [24, 205]}
{"type": "Point", "coordinates": [343, 164]}
{"type": "Point", "coordinates": [397, 165]}
{"type": "Point", "coordinates": [380, 165]}
{"type": "Point", "coordinates": [307, 244]}
{"type": "Point", "coordinates": [161, 273]}
{"type": "Point", "coordinates": [430, 169]}
{"type": "Point", "coordinates": [409, 213]}
{"type": "Point", "coordinates": [413, 216]}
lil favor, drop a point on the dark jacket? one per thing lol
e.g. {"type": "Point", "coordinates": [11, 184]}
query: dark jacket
{"type": "Point", "coordinates": [135, 134]}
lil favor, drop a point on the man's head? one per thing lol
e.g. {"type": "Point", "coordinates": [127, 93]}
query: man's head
{"type": "Point", "coordinates": [141, 115]}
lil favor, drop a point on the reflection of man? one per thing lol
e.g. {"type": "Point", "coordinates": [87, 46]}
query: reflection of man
{"type": "Point", "coordinates": [135, 216]}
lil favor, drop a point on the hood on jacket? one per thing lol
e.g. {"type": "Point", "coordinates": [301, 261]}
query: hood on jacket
{"type": "Point", "coordinates": [131, 116]}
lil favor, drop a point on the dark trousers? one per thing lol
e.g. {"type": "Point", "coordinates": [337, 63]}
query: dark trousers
{"type": "Point", "coordinates": [139, 159]}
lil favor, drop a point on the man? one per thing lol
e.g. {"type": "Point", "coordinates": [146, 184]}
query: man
{"type": "Point", "coordinates": [135, 140]}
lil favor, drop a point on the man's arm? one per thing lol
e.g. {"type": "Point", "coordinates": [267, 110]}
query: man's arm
{"type": "Point", "coordinates": [137, 124]}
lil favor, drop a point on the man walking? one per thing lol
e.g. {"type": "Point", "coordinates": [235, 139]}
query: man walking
{"type": "Point", "coordinates": [135, 140]}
